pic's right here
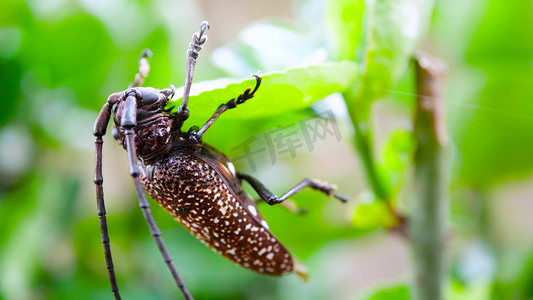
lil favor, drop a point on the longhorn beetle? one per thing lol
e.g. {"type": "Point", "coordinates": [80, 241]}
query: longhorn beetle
{"type": "Point", "coordinates": [194, 182]}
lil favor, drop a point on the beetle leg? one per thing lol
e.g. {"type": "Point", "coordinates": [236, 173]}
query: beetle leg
{"type": "Point", "coordinates": [290, 206]}
{"type": "Point", "coordinates": [144, 68]}
{"type": "Point", "coordinates": [128, 122]}
{"type": "Point", "coordinates": [272, 199]}
{"type": "Point", "coordinates": [248, 94]}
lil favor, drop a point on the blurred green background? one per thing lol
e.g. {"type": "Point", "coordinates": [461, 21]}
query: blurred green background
{"type": "Point", "coordinates": [60, 59]}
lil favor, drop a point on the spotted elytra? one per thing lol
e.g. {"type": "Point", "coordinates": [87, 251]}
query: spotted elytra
{"type": "Point", "coordinates": [194, 182]}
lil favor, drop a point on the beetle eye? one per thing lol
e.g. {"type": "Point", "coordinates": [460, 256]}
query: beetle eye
{"type": "Point", "coordinates": [149, 96]}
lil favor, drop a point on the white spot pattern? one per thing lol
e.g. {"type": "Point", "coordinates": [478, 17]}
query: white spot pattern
{"type": "Point", "coordinates": [183, 181]}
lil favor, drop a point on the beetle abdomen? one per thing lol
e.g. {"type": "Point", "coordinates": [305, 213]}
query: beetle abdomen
{"type": "Point", "coordinates": [198, 197]}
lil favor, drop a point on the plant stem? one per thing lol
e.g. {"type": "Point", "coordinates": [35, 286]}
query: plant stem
{"type": "Point", "coordinates": [364, 147]}
{"type": "Point", "coordinates": [427, 222]}
{"type": "Point", "coordinates": [363, 143]}
{"type": "Point", "coordinates": [359, 112]}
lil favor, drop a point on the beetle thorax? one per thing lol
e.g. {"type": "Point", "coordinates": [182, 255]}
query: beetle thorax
{"type": "Point", "coordinates": [153, 138]}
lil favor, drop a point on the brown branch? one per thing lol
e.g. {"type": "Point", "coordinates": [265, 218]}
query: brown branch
{"type": "Point", "coordinates": [429, 208]}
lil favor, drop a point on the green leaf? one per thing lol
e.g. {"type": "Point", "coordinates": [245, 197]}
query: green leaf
{"type": "Point", "coordinates": [396, 158]}
{"type": "Point", "coordinates": [370, 214]}
{"type": "Point", "coordinates": [345, 21]}
{"type": "Point", "coordinates": [393, 34]}
{"type": "Point", "coordinates": [477, 290]}
{"type": "Point", "coordinates": [280, 92]}
{"type": "Point", "coordinates": [400, 292]}
{"type": "Point", "coordinates": [75, 61]}
{"type": "Point", "coordinates": [490, 104]}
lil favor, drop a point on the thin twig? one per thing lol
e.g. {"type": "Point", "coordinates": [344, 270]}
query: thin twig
{"type": "Point", "coordinates": [364, 146]}
{"type": "Point", "coordinates": [359, 113]}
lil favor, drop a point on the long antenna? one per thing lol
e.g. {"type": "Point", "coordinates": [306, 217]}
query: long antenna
{"type": "Point", "coordinates": [198, 39]}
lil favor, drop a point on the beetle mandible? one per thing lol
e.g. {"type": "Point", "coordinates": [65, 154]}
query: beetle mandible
{"type": "Point", "coordinates": [193, 181]}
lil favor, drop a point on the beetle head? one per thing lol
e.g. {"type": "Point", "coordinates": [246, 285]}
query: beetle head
{"type": "Point", "coordinates": [150, 103]}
